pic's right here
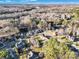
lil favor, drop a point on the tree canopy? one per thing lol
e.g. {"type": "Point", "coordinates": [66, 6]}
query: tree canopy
{"type": "Point", "coordinates": [3, 53]}
{"type": "Point", "coordinates": [56, 50]}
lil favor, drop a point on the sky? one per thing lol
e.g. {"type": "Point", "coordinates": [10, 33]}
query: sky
{"type": "Point", "coordinates": [39, 1]}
